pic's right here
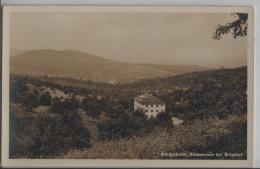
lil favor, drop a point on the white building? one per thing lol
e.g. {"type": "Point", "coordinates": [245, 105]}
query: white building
{"type": "Point", "coordinates": [149, 104]}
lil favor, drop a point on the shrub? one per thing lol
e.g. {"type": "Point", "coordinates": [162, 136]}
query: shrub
{"type": "Point", "coordinates": [164, 119]}
{"type": "Point", "coordinates": [56, 134]}
{"type": "Point", "coordinates": [114, 128]}
{"type": "Point", "coordinates": [30, 100]}
{"type": "Point", "coordinates": [45, 99]}
{"type": "Point", "coordinates": [21, 132]}
{"type": "Point", "coordinates": [91, 106]}
{"type": "Point", "coordinates": [59, 106]}
{"type": "Point", "coordinates": [136, 124]}
{"type": "Point", "coordinates": [56, 105]}
{"type": "Point", "coordinates": [17, 87]}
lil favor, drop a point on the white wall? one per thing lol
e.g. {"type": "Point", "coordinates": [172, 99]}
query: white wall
{"type": "Point", "coordinates": [151, 109]}
{"type": "Point", "coordinates": [256, 4]}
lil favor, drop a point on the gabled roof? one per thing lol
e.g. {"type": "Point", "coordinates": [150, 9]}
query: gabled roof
{"type": "Point", "coordinates": [148, 99]}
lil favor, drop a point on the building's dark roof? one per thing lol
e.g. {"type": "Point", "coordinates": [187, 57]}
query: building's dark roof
{"type": "Point", "coordinates": [148, 99]}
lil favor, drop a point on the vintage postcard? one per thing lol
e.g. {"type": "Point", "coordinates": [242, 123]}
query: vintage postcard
{"type": "Point", "coordinates": [127, 86]}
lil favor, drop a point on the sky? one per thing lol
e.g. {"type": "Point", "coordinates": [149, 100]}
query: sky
{"type": "Point", "coordinates": [161, 38]}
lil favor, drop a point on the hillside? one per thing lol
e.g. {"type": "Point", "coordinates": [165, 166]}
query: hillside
{"type": "Point", "coordinates": [80, 65]}
{"type": "Point", "coordinates": [212, 105]}
{"type": "Point", "coordinates": [214, 132]}
{"type": "Point", "coordinates": [178, 69]}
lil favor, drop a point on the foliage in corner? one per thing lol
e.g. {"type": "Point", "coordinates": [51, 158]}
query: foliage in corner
{"type": "Point", "coordinates": [238, 28]}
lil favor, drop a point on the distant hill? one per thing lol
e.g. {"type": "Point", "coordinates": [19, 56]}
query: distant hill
{"type": "Point", "coordinates": [178, 69]}
{"type": "Point", "coordinates": [80, 65]}
{"type": "Point", "coordinates": [15, 51]}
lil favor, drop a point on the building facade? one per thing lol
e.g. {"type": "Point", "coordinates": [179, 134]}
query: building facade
{"type": "Point", "coordinates": [149, 104]}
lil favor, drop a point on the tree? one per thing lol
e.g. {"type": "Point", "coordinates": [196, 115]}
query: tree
{"type": "Point", "coordinates": [91, 106]}
{"type": "Point", "coordinates": [18, 88]}
{"type": "Point", "coordinates": [45, 99]}
{"type": "Point", "coordinates": [71, 104]}
{"type": "Point", "coordinates": [164, 119]}
{"type": "Point", "coordinates": [56, 105]}
{"type": "Point", "coordinates": [139, 124]}
{"type": "Point", "coordinates": [31, 100]}
{"type": "Point", "coordinates": [21, 132]}
{"type": "Point", "coordinates": [238, 28]}
{"type": "Point", "coordinates": [54, 134]}
{"type": "Point", "coordinates": [114, 128]}
{"type": "Point", "coordinates": [59, 106]}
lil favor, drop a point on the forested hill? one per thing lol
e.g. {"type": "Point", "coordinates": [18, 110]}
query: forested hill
{"type": "Point", "coordinates": [193, 95]}
{"type": "Point", "coordinates": [217, 77]}
{"type": "Point", "coordinates": [212, 105]}
{"type": "Point", "coordinates": [218, 93]}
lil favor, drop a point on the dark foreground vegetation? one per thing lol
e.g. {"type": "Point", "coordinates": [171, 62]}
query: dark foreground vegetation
{"type": "Point", "coordinates": [68, 118]}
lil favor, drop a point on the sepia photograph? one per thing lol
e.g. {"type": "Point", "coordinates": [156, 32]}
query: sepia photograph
{"type": "Point", "coordinates": [128, 83]}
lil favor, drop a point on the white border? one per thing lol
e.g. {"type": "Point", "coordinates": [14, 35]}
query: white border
{"type": "Point", "coordinates": [133, 2]}
{"type": "Point", "coordinates": [104, 163]}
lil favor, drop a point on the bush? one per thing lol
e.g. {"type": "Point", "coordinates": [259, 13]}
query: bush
{"type": "Point", "coordinates": [114, 128]}
{"type": "Point", "coordinates": [56, 134]}
{"type": "Point", "coordinates": [45, 99]}
{"type": "Point", "coordinates": [30, 100]}
{"type": "Point", "coordinates": [91, 106]}
{"type": "Point", "coordinates": [56, 105]}
{"type": "Point", "coordinates": [164, 119]}
{"type": "Point", "coordinates": [21, 133]}
{"type": "Point", "coordinates": [136, 124]}
{"type": "Point", "coordinates": [59, 106]}
{"type": "Point", "coordinates": [17, 88]}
